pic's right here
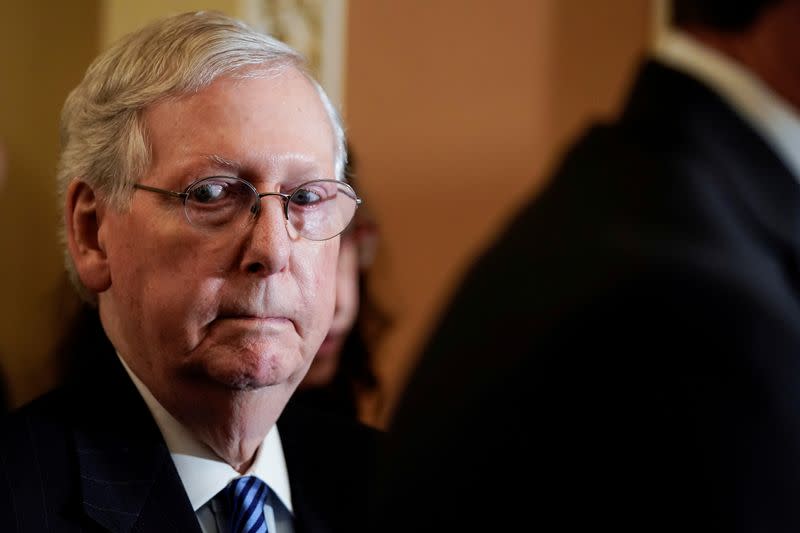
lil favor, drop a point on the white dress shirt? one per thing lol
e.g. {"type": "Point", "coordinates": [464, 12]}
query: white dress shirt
{"type": "Point", "coordinates": [766, 112]}
{"type": "Point", "coordinates": [204, 474]}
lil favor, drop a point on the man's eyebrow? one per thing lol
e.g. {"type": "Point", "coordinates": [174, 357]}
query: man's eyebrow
{"type": "Point", "coordinates": [228, 164]}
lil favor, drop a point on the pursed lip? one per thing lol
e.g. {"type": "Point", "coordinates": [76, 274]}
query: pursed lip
{"type": "Point", "coordinates": [256, 318]}
{"type": "Point", "coordinates": [258, 312]}
{"type": "Point", "coordinates": [273, 317]}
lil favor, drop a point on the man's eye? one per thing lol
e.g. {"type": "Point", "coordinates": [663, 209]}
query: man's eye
{"type": "Point", "coordinates": [208, 193]}
{"type": "Point", "coordinates": [305, 197]}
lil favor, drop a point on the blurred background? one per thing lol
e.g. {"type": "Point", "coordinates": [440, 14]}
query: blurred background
{"type": "Point", "coordinates": [455, 110]}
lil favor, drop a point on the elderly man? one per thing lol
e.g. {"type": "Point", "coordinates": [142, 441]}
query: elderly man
{"type": "Point", "coordinates": [201, 177]}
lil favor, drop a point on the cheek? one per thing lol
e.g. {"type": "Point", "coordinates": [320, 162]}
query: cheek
{"type": "Point", "coordinates": [163, 274]}
{"type": "Point", "coordinates": [170, 289]}
{"type": "Point", "coordinates": [319, 286]}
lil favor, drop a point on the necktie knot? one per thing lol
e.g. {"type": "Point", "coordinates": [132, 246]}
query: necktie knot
{"type": "Point", "coordinates": [246, 498]}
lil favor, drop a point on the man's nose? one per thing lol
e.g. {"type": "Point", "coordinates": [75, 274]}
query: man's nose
{"type": "Point", "coordinates": [268, 246]}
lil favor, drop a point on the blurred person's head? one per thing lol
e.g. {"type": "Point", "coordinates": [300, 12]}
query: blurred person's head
{"type": "Point", "coordinates": [725, 15]}
{"type": "Point", "coordinates": [202, 177]}
{"type": "Point", "coordinates": [761, 35]}
{"type": "Point", "coordinates": [355, 256]}
{"type": "Point", "coordinates": [328, 357]}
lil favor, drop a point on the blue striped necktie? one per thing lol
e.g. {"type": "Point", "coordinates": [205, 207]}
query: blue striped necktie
{"type": "Point", "coordinates": [246, 498]}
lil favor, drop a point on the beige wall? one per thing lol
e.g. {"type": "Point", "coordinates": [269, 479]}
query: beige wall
{"type": "Point", "coordinates": [118, 17]}
{"type": "Point", "coordinates": [44, 49]}
{"type": "Point", "coordinates": [455, 108]}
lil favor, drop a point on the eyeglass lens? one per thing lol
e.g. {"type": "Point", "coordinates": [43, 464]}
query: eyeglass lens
{"type": "Point", "coordinates": [317, 210]}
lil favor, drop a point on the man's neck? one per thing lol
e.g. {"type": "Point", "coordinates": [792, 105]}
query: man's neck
{"type": "Point", "coordinates": [237, 427]}
{"type": "Point", "coordinates": [232, 425]}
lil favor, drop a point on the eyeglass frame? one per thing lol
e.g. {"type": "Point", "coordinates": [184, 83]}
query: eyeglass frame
{"type": "Point", "coordinates": [286, 197]}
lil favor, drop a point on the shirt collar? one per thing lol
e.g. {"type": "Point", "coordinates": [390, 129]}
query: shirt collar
{"type": "Point", "coordinates": [767, 112]}
{"type": "Point", "coordinates": [202, 472]}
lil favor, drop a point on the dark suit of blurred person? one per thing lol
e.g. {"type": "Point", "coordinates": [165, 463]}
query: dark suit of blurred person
{"type": "Point", "coordinates": [627, 354]}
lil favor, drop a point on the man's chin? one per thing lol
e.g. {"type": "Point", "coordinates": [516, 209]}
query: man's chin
{"type": "Point", "coordinates": [248, 372]}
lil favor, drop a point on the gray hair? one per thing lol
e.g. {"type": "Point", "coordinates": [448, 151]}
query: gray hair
{"type": "Point", "coordinates": [103, 136]}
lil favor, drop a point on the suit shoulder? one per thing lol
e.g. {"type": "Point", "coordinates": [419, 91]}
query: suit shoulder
{"type": "Point", "coordinates": [37, 464]}
{"type": "Point", "coordinates": [46, 413]}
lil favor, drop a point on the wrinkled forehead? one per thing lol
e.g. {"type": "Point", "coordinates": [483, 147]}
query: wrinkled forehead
{"type": "Point", "coordinates": [272, 75]}
{"type": "Point", "coordinates": [243, 121]}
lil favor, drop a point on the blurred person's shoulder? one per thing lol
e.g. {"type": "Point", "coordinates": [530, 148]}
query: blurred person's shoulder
{"type": "Point", "coordinates": [50, 410]}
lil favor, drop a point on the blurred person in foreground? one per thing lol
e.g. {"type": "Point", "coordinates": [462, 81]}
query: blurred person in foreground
{"type": "Point", "coordinates": [201, 177]}
{"type": "Point", "coordinates": [341, 373]}
{"type": "Point", "coordinates": [627, 354]}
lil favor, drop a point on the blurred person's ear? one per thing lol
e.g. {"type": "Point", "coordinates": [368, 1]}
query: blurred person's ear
{"type": "Point", "coordinates": [82, 217]}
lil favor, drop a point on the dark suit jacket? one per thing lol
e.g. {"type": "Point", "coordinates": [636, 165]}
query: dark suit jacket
{"type": "Point", "coordinates": [89, 457]}
{"type": "Point", "coordinates": [627, 354]}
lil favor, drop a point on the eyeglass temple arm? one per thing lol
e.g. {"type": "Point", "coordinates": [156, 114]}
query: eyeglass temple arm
{"type": "Point", "coordinates": [160, 191]}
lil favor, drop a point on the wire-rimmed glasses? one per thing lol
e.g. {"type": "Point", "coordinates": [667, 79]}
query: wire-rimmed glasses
{"type": "Point", "coordinates": [317, 210]}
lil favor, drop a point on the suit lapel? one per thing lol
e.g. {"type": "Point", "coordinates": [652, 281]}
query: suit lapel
{"type": "Point", "coordinates": [128, 481]}
{"type": "Point", "coordinates": [118, 480]}
{"type": "Point", "coordinates": [304, 473]}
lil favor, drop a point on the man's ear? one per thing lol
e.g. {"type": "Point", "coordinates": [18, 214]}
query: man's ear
{"type": "Point", "coordinates": [82, 219]}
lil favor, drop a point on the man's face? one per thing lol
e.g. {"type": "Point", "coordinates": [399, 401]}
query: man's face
{"type": "Point", "coordinates": [191, 310]}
